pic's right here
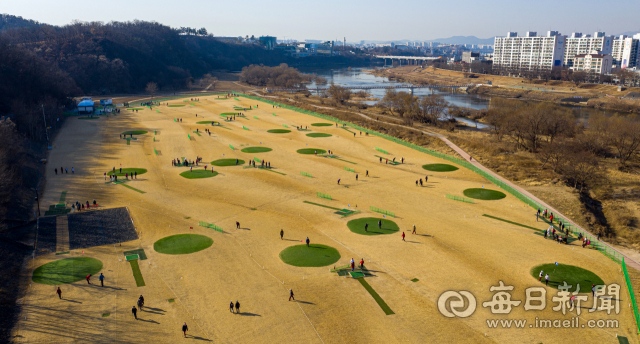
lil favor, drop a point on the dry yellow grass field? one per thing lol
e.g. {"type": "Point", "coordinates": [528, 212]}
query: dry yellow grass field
{"type": "Point", "coordinates": [456, 247]}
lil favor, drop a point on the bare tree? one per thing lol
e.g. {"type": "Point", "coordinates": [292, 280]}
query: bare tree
{"type": "Point", "coordinates": [339, 93]}
{"type": "Point", "coordinates": [152, 88]}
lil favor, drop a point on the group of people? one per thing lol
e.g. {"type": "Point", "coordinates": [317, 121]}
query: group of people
{"type": "Point", "coordinates": [185, 162]}
{"type": "Point", "coordinates": [420, 180]}
{"type": "Point", "coordinates": [64, 170]}
{"type": "Point", "coordinates": [551, 233]}
{"type": "Point", "coordinates": [140, 304]}
{"type": "Point", "coordinates": [353, 264]}
{"type": "Point", "coordinates": [237, 306]}
{"type": "Point", "coordinates": [81, 206]}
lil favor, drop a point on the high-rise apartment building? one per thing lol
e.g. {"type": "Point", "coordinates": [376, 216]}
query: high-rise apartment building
{"type": "Point", "coordinates": [578, 44]}
{"type": "Point", "coordinates": [530, 51]}
{"type": "Point", "coordinates": [626, 51]}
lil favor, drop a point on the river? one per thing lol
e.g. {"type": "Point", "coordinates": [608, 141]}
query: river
{"type": "Point", "coordinates": [358, 77]}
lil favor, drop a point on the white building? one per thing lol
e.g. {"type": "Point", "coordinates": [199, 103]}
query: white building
{"type": "Point", "coordinates": [593, 62]}
{"type": "Point", "coordinates": [530, 51]}
{"type": "Point", "coordinates": [626, 51]}
{"type": "Point", "coordinates": [578, 44]}
{"type": "Point", "coordinates": [86, 105]}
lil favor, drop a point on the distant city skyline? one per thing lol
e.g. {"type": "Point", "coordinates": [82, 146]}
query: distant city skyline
{"type": "Point", "coordinates": [356, 20]}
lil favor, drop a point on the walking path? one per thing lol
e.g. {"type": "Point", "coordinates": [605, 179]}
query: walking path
{"type": "Point", "coordinates": [628, 260]}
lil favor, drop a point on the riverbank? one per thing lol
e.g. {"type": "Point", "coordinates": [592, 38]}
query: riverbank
{"type": "Point", "coordinates": [604, 97]}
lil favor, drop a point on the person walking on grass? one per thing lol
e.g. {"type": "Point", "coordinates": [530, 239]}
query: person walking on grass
{"type": "Point", "coordinates": [135, 312]}
{"type": "Point", "coordinates": [379, 224]}
{"type": "Point", "coordinates": [403, 236]}
{"type": "Point", "coordinates": [185, 328]}
{"type": "Point", "coordinates": [416, 182]}
{"type": "Point", "coordinates": [546, 279]}
{"type": "Point", "coordinates": [540, 276]}
{"type": "Point", "coordinates": [281, 234]}
{"type": "Point", "coordinates": [291, 295]}
{"type": "Point", "coordinates": [56, 170]}
{"type": "Point", "coordinates": [414, 230]}
{"type": "Point", "coordinates": [353, 264]}
{"type": "Point", "coordinates": [237, 307]}
{"type": "Point", "coordinates": [66, 171]}
{"type": "Point", "coordinates": [88, 278]}
{"type": "Point", "coordinates": [136, 174]}
{"type": "Point", "coordinates": [366, 227]}
{"type": "Point", "coordinates": [231, 307]}
{"type": "Point", "coordinates": [307, 241]}
{"type": "Point", "coordinates": [237, 225]}
{"type": "Point", "coordinates": [367, 173]}
{"type": "Point", "coordinates": [101, 278]}
{"type": "Point", "coordinates": [59, 292]}
{"type": "Point", "coordinates": [356, 177]}
{"type": "Point", "coordinates": [421, 182]}
{"type": "Point", "coordinates": [361, 263]}
{"type": "Point", "coordinates": [338, 181]}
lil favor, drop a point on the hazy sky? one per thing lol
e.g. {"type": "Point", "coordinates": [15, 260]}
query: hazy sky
{"type": "Point", "coordinates": [355, 20]}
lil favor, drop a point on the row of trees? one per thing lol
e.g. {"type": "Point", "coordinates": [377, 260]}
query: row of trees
{"type": "Point", "coordinates": [622, 77]}
{"type": "Point", "coordinates": [280, 76]}
{"type": "Point", "coordinates": [426, 109]}
{"type": "Point", "coordinates": [570, 149]}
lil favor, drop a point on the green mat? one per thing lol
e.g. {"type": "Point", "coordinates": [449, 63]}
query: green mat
{"type": "Point", "coordinates": [137, 275]}
{"type": "Point", "coordinates": [385, 308]}
{"type": "Point", "coordinates": [139, 252]}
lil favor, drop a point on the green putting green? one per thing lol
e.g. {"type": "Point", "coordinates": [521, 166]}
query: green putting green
{"type": "Point", "coordinates": [93, 117]}
{"type": "Point", "coordinates": [198, 174]}
{"type": "Point", "coordinates": [134, 132]}
{"type": "Point", "coordinates": [357, 226]}
{"type": "Point", "coordinates": [130, 171]}
{"type": "Point", "coordinates": [227, 162]}
{"type": "Point", "coordinates": [439, 167]}
{"type": "Point", "coordinates": [311, 151]}
{"type": "Point", "coordinates": [205, 122]}
{"type": "Point", "coordinates": [321, 124]}
{"type": "Point", "coordinates": [313, 256]}
{"type": "Point", "coordinates": [66, 270]}
{"type": "Point", "coordinates": [256, 150]}
{"type": "Point", "coordinates": [278, 131]}
{"type": "Point", "coordinates": [182, 244]}
{"type": "Point", "coordinates": [573, 275]}
{"type": "Point", "coordinates": [318, 135]}
{"type": "Point", "coordinates": [484, 194]}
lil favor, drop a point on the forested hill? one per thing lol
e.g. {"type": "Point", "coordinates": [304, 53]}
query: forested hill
{"type": "Point", "coordinates": [124, 56]}
{"type": "Point", "coordinates": [8, 22]}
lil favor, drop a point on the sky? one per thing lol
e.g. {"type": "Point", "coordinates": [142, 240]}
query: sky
{"type": "Point", "coordinates": [354, 19]}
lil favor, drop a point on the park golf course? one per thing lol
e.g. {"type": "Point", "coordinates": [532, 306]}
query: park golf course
{"type": "Point", "coordinates": [193, 259]}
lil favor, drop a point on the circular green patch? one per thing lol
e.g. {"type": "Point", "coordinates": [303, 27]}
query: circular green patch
{"type": "Point", "coordinates": [311, 151]}
{"type": "Point", "coordinates": [313, 256]}
{"type": "Point", "coordinates": [198, 174]}
{"type": "Point", "coordinates": [573, 275]}
{"type": "Point", "coordinates": [484, 194]}
{"type": "Point", "coordinates": [182, 244]}
{"type": "Point", "coordinates": [321, 124]}
{"type": "Point", "coordinates": [278, 131]}
{"type": "Point", "coordinates": [227, 162]}
{"type": "Point", "coordinates": [134, 132]}
{"type": "Point", "coordinates": [256, 150]}
{"type": "Point", "coordinates": [357, 226]}
{"type": "Point", "coordinates": [439, 167]}
{"type": "Point", "coordinates": [130, 171]}
{"type": "Point", "coordinates": [318, 135]}
{"type": "Point", "coordinates": [90, 117]}
{"type": "Point", "coordinates": [66, 270]}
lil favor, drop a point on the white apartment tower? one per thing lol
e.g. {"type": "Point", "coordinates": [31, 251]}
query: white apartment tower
{"type": "Point", "coordinates": [530, 51]}
{"type": "Point", "coordinates": [626, 52]}
{"type": "Point", "coordinates": [578, 44]}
